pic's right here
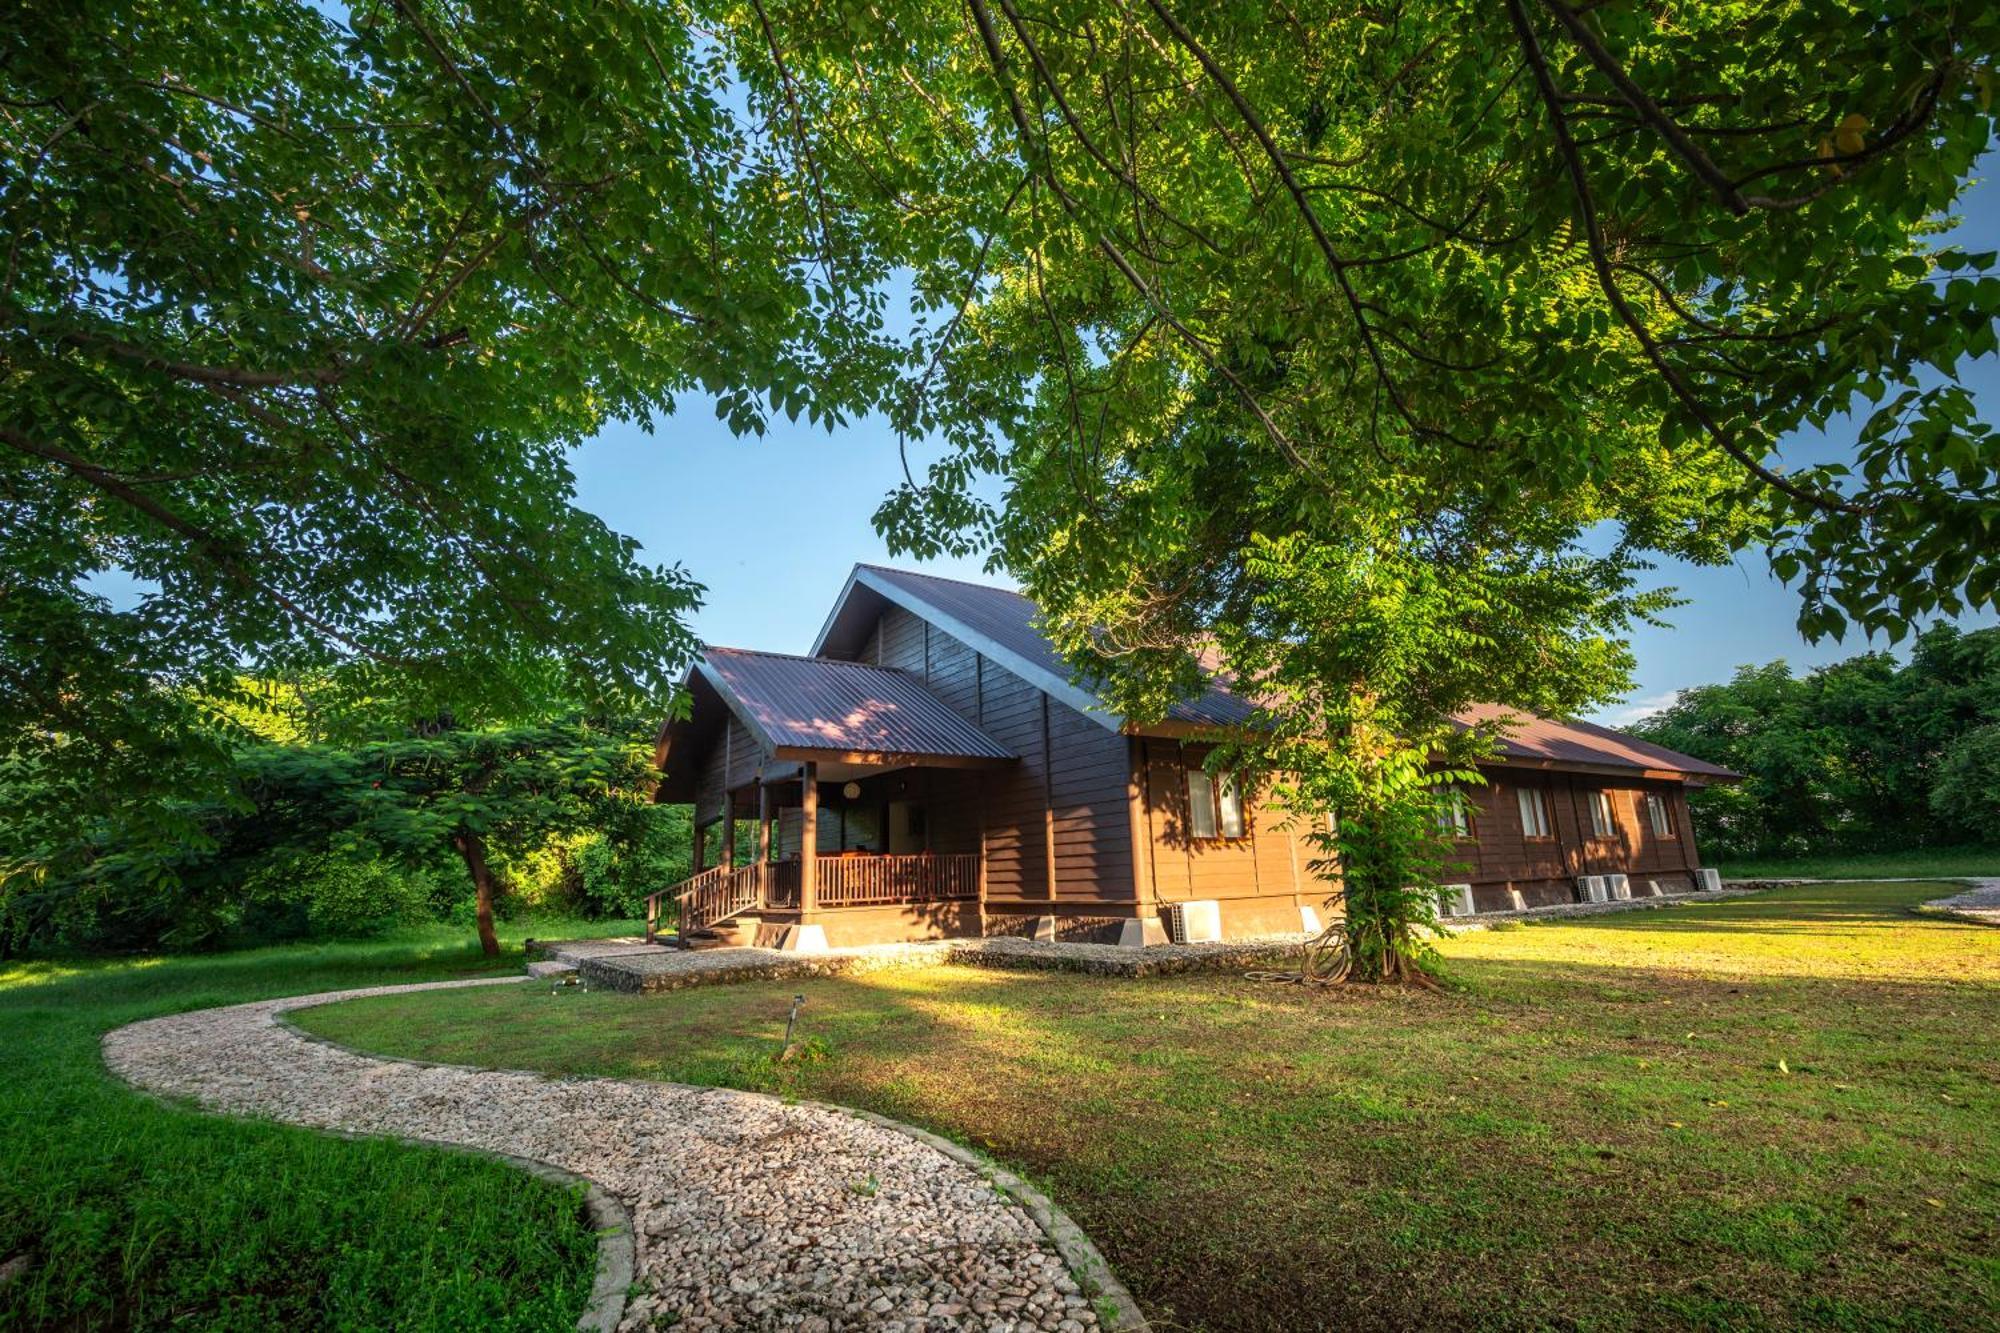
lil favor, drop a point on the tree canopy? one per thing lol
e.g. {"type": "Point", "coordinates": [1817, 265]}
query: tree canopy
{"type": "Point", "coordinates": [1864, 755]}
{"type": "Point", "coordinates": [301, 311]}
{"type": "Point", "coordinates": [1368, 353]}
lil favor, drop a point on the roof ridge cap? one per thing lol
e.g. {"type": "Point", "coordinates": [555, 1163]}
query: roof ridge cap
{"type": "Point", "coordinates": [946, 578]}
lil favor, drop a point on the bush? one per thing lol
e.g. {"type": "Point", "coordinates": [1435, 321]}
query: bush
{"type": "Point", "coordinates": [340, 895]}
{"type": "Point", "coordinates": [604, 873]}
{"type": "Point", "coordinates": [1967, 792]}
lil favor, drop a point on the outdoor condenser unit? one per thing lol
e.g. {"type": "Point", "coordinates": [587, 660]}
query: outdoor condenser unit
{"type": "Point", "coordinates": [1708, 881]}
{"type": "Point", "coordinates": [1195, 922]}
{"type": "Point", "coordinates": [1458, 900]}
{"type": "Point", "coordinates": [1592, 889]}
{"type": "Point", "coordinates": [1618, 887]}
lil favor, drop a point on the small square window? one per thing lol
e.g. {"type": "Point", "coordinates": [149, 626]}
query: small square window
{"type": "Point", "coordinates": [1215, 805]}
{"type": "Point", "coordinates": [1534, 804]}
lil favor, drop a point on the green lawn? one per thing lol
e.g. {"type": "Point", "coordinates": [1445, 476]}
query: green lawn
{"type": "Point", "coordinates": [138, 1215]}
{"type": "Point", "coordinates": [1942, 862]}
{"type": "Point", "coordinates": [1782, 1110]}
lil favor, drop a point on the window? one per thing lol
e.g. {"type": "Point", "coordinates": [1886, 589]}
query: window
{"type": "Point", "coordinates": [1454, 816]}
{"type": "Point", "coordinates": [1602, 824]}
{"type": "Point", "coordinates": [1231, 801]}
{"type": "Point", "coordinates": [1535, 821]}
{"type": "Point", "coordinates": [1201, 803]}
{"type": "Point", "coordinates": [1215, 805]}
{"type": "Point", "coordinates": [1661, 814]}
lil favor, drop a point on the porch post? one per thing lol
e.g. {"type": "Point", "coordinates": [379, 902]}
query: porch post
{"type": "Point", "coordinates": [809, 838]}
{"type": "Point", "coordinates": [763, 822]}
{"type": "Point", "coordinates": [700, 844]}
{"type": "Point", "coordinates": [729, 828]}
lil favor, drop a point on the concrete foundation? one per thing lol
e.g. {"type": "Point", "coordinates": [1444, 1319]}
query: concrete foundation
{"type": "Point", "coordinates": [1140, 932]}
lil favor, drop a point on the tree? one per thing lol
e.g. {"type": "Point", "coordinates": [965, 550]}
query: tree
{"type": "Point", "coordinates": [479, 793]}
{"type": "Point", "coordinates": [1967, 794]}
{"type": "Point", "coordinates": [301, 309]}
{"type": "Point", "coordinates": [1865, 754]}
{"type": "Point", "coordinates": [474, 796]}
{"type": "Point", "coordinates": [1258, 308]}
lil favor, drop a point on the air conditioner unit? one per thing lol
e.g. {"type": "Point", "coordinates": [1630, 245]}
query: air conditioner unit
{"type": "Point", "coordinates": [1591, 889]}
{"type": "Point", "coordinates": [1458, 900]}
{"type": "Point", "coordinates": [1196, 922]}
{"type": "Point", "coordinates": [1708, 881]}
{"type": "Point", "coordinates": [1617, 888]}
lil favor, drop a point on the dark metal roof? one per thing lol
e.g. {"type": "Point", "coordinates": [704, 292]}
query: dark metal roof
{"type": "Point", "coordinates": [1006, 626]}
{"type": "Point", "coordinates": [1010, 625]}
{"type": "Point", "coordinates": [802, 706]}
{"type": "Point", "coordinates": [1535, 739]}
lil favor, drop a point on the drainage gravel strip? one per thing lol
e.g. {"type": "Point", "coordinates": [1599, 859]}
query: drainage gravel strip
{"type": "Point", "coordinates": [746, 1212]}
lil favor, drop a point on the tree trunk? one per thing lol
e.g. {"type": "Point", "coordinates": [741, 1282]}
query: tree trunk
{"type": "Point", "coordinates": [472, 849]}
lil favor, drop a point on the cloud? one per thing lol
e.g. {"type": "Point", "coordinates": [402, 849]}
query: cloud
{"type": "Point", "coordinates": [1633, 710]}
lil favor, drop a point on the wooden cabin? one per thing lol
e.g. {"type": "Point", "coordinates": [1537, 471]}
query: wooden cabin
{"type": "Point", "coordinates": [930, 770]}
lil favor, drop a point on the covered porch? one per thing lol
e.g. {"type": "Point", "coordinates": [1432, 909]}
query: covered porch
{"type": "Point", "coordinates": [835, 803]}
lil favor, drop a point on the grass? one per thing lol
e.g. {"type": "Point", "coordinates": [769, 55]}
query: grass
{"type": "Point", "coordinates": [1765, 1112]}
{"type": "Point", "coordinates": [135, 1214]}
{"type": "Point", "coordinates": [1940, 862]}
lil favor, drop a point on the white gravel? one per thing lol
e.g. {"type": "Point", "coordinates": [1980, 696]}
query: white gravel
{"type": "Point", "coordinates": [1980, 902]}
{"type": "Point", "coordinates": [748, 1213]}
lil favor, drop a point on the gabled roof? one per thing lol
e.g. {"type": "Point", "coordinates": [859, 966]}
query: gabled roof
{"type": "Point", "coordinates": [816, 707]}
{"type": "Point", "coordinates": [998, 622]}
{"type": "Point", "coordinates": [1004, 626]}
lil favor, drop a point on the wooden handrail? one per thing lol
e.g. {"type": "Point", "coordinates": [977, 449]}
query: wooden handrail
{"type": "Point", "coordinates": [844, 881]}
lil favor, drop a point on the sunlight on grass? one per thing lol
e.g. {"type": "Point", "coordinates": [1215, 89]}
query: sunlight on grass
{"type": "Point", "coordinates": [130, 1213]}
{"type": "Point", "coordinates": [1740, 1105]}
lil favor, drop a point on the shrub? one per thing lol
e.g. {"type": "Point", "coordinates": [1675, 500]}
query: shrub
{"type": "Point", "coordinates": [339, 895]}
{"type": "Point", "coordinates": [1967, 792]}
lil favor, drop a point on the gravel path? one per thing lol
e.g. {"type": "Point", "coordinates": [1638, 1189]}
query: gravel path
{"type": "Point", "coordinates": [1980, 902]}
{"type": "Point", "coordinates": [749, 1213]}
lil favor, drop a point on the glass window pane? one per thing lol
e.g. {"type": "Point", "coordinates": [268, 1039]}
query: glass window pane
{"type": "Point", "coordinates": [1454, 814]}
{"type": "Point", "coordinates": [1600, 814]}
{"type": "Point", "coordinates": [1232, 807]}
{"type": "Point", "coordinates": [1534, 817]}
{"type": "Point", "coordinates": [1656, 807]}
{"type": "Point", "coordinates": [1201, 804]}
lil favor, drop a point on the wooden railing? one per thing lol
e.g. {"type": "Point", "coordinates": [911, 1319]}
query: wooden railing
{"type": "Point", "coordinates": [875, 881]}
{"type": "Point", "coordinates": [713, 895]}
{"type": "Point", "coordinates": [844, 881]}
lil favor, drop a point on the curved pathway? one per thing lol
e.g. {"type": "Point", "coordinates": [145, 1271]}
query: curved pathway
{"type": "Point", "coordinates": [1980, 902]}
{"type": "Point", "coordinates": [748, 1212]}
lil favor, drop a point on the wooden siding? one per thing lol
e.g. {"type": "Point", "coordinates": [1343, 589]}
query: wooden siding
{"type": "Point", "coordinates": [1499, 858]}
{"type": "Point", "coordinates": [1267, 862]}
{"type": "Point", "coordinates": [1056, 825]}
{"type": "Point", "coordinates": [731, 763]}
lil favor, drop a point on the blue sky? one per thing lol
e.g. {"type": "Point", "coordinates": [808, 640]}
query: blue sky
{"type": "Point", "coordinates": [772, 526]}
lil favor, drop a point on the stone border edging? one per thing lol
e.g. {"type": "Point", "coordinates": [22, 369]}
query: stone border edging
{"type": "Point", "coordinates": [617, 1254]}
